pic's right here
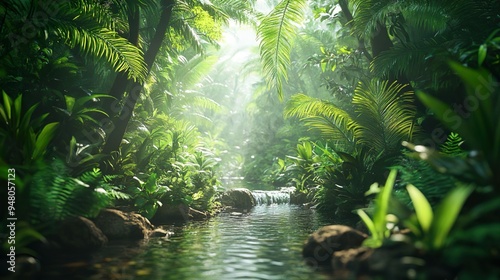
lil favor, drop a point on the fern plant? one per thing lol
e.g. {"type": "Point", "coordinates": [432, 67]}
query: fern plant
{"type": "Point", "coordinates": [58, 196]}
{"type": "Point", "coordinates": [452, 146]}
{"type": "Point", "coordinates": [433, 184]}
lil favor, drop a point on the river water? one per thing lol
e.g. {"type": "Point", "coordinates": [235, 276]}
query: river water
{"type": "Point", "coordinates": [265, 243]}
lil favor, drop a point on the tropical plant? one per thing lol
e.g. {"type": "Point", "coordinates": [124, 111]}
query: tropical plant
{"type": "Point", "coordinates": [147, 196]}
{"type": "Point", "coordinates": [383, 117]}
{"type": "Point", "coordinates": [380, 225]}
{"type": "Point", "coordinates": [57, 195]}
{"type": "Point", "coordinates": [367, 140]}
{"type": "Point", "coordinates": [480, 130]}
{"type": "Point", "coordinates": [276, 33]}
{"type": "Point", "coordinates": [80, 116]}
{"type": "Point", "coordinates": [303, 167]}
{"type": "Point", "coordinates": [344, 185]}
{"type": "Point", "coordinates": [423, 176]}
{"type": "Point", "coordinates": [86, 25]}
{"type": "Point", "coordinates": [24, 139]}
{"type": "Point", "coordinates": [432, 228]}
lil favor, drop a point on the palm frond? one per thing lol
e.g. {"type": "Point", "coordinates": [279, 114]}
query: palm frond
{"type": "Point", "coordinates": [430, 16]}
{"type": "Point", "coordinates": [411, 59]}
{"type": "Point", "coordinates": [334, 123]}
{"type": "Point", "coordinates": [385, 114]}
{"type": "Point", "coordinates": [241, 11]}
{"type": "Point", "coordinates": [276, 34]}
{"type": "Point", "coordinates": [369, 13]}
{"type": "Point", "coordinates": [79, 29]}
{"type": "Point", "coordinates": [204, 102]}
{"type": "Point", "coordinates": [184, 29]}
{"type": "Point", "coordinates": [192, 71]}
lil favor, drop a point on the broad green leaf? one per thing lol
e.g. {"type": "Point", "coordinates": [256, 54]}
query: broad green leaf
{"type": "Point", "coordinates": [72, 149]}
{"type": "Point", "coordinates": [382, 203]}
{"type": "Point", "coordinates": [43, 139]}
{"type": "Point", "coordinates": [323, 66]}
{"type": "Point", "coordinates": [70, 103]}
{"type": "Point", "coordinates": [422, 207]}
{"type": "Point", "coordinates": [369, 223]}
{"type": "Point", "coordinates": [481, 54]}
{"type": "Point", "coordinates": [17, 110]}
{"type": "Point", "coordinates": [7, 106]}
{"type": "Point", "coordinates": [82, 100]}
{"type": "Point", "coordinates": [446, 214]}
{"type": "Point", "coordinates": [26, 121]}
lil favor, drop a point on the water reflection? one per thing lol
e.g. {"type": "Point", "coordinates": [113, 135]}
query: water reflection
{"type": "Point", "coordinates": [263, 244]}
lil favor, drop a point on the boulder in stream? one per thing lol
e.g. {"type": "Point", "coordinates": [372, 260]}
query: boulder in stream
{"type": "Point", "coordinates": [80, 234]}
{"type": "Point", "coordinates": [168, 213]}
{"type": "Point", "coordinates": [116, 224]}
{"type": "Point", "coordinates": [239, 198]}
{"type": "Point", "coordinates": [323, 243]}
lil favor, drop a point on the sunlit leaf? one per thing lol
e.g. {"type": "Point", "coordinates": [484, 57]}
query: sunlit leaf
{"type": "Point", "coordinates": [368, 222]}
{"type": "Point", "coordinates": [276, 34]}
{"type": "Point", "coordinates": [481, 54]}
{"type": "Point", "coordinates": [446, 214]}
{"type": "Point", "coordinates": [422, 207]}
{"type": "Point", "coordinates": [43, 139]}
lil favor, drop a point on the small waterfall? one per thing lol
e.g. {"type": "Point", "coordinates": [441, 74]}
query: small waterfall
{"type": "Point", "coordinates": [271, 197]}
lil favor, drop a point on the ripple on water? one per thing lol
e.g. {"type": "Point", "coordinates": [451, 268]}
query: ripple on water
{"type": "Point", "coordinates": [265, 244]}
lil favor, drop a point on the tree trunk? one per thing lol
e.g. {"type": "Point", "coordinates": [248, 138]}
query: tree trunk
{"type": "Point", "coordinates": [121, 80]}
{"type": "Point", "coordinates": [361, 42]}
{"type": "Point", "coordinates": [120, 123]}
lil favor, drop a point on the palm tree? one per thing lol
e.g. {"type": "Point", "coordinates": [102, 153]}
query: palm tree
{"type": "Point", "coordinates": [174, 18]}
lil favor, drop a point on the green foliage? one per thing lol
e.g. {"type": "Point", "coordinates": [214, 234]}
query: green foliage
{"type": "Point", "coordinates": [147, 196]}
{"type": "Point", "coordinates": [276, 34]}
{"type": "Point", "coordinates": [55, 195]}
{"type": "Point", "coordinates": [432, 229]}
{"type": "Point", "coordinates": [81, 115]}
{"type": "Point", "coordinates": [367, 140]}
{"type": "Point", "coordinates": [24, 139]}
{"type": "Point", "coordinates": [378, 226]}
{"type": "Point", "coordinates": [86, 25]}
{"type": "Point", "coordinates": [452, 146]}
{"type": "Point", "coordinates": [385, 115]}
{"type": "Point", "coordinates": [433, 184]}
{"type": "Point", "coordinates": [303, 167]}
{"type": "Point", "coordinates": [334, 123]}
{"type": "Point", "coordinates": [344, 184]}
{"type": "Point", "coordinates": [480, 130]}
